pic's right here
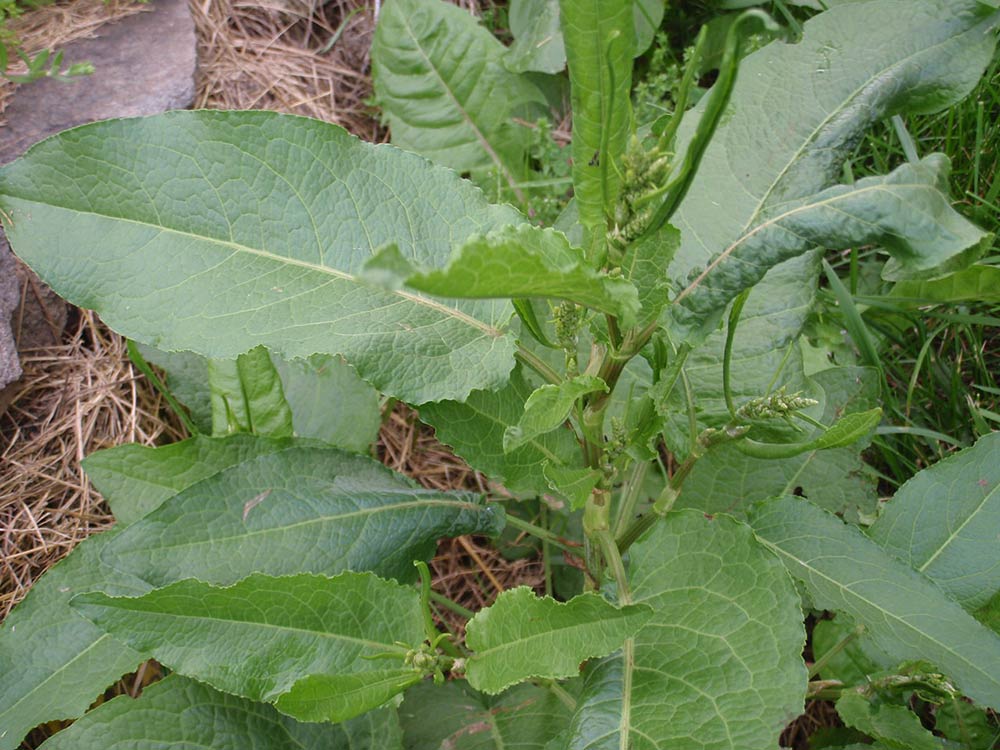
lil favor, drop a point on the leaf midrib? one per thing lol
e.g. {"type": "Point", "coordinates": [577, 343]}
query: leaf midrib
{"type": "Point", "coordinates": [237, 247]}
{"type": "Point", "coordinates": [954, 535]}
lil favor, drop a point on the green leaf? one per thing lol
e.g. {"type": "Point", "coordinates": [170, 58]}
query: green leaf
{"type": "Point", "coordinates": [325, 697]}
{"type": "Point", "coordinates": [989, 613]}
{"type": "Point", "coordinates": [178, 712]}
{"type": "Point", "coordinates": [456, 717]}
{"type": "Point", "coordinates": [645, 265]}
{"type": "Point", "coordinates": [54, 662]}
{"type": "Point", "coordinates": [303, 509]}
{"type": "Point", "coordinates": [330, 402]}
{"type": "Point", "coordinates": [136, 479]}
{"type": "Point", "coordinates": [521, 261]}
{"type": "Point", "coordinates": [722, 652]}
{"type": "Point", "coordinates": [186, 377]}
{"type": "Point", "coordinates": [475, 430]}
{"type": "Point", "coordinates": [548, 407]}
{"type": "Point", "coordinates": [905, 614]}
{"type": "Point", "coordinates": [522, 636]}
{"type": "Point", "coordinates": [727, 480]}
{"type": "Point", "coordinates": [218, 231]}
{"type": "Point", "coordinates": [573, 484]}
{"type": "Point", "coordinates": [896, 726]}
{"type": "Point", "coordinates": [962, 722]}
{"type": "Point", "coordinates": [889, 57]}
{"type": "Point", "coordinates": [945, 523]}
{"type": "Point", "coordinates": [599, 37]}
{"type": "Point", "coordinates": [906, 212]}
{"type": "Point", "coordinates": [976, 284]}
{"type": "Point", "coordinates": [261, 637]}
{"type": "Point", "coordinates": [444, 91]}
{"type": "Point", "coordinates": [247, 396]}
{"type": "Point", "coordinates": [538, 40]}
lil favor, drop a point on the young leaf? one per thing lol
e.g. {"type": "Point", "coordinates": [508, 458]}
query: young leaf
{"type": "Point", "coordinates": [905, 614]}
{"type": "Point", "coordinates": [253, 220]}
{"type": "Point", "coordinates": [178, 712]}
{"type": "Point", "coordinates": [896, 726]}
{"type": "Point", "coordinates": [645, 264]}
{"type": "Point", "coordinates": [599, 37]}
{"type": "Point", "coordinates": [517, 261]}
{"type": "Point", "coordinates": [444, 91]}
{"type": "Point", "coordinates": [845, 431]}
{"type": "Point", "coordinates": [945, 523]}
{"type": "Point", "coordinates": [261, 637]}
{"type": "Point", "coordinates": [573, 484]}
{"type": "Point", "coordinates": [547, 408]}
{"type": "Point", "coordinates": [304, 509]}
{"type": "Point", "coordinates": [522, 636]}
{"type": "Point", "coordinates": [905, 212]}
{"type": "Point", "coordinates": [456, 717]}
{"type": "Point", "coordinates": [890, 56]}
{"type": "Point", "coordinates": [476, 429]}
{"type": "Point", "coordinates": [338, 697]}
{"type": "Point", "coordinates": [722, 651]}
{"type": "Point", "coordinates": [247, 396]}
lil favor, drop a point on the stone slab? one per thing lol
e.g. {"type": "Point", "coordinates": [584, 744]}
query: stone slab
{"type": "Point", "coordinates": [145, 64]}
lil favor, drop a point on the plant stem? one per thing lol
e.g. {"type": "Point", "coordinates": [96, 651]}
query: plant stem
{"type": "Point", "coordinates": [727, 356]}
{"type": "Point", "coordinates": [530, 359]}
{"type": "Point", "coordinates": [430, 629]}
{"type": "Point", "coordinates": [454, 606]}
{"type": "Point", "coordinates": [818, 665]}
{"type": "Point", "coordinates": [544, 534]}
{"type": "Point", "coordinates": [630, 496]}
{"type": "Point", "coordinates": [614, 560]}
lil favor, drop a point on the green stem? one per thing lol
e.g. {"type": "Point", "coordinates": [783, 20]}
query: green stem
{"type": "Point", "coordinates": [818, 665]}
{"type": "Point", "coordinates": [544, 534]}
{"type": "Point", "coordinates": [630, 496]}
{"type": "Point", "coordinates": [454, 606]}
{"type": "Point", "coordinates": [430, 629]}
{"type": "Point", "coordinates": [727, 356]}
{"type": "Point", "coordinates": [546, 554]}
{"type": "Point", "coordinates": [560, 692]}
{"type": "Point", "coordinates": [530, 359]}
{"type": "Point", "coordinates": [614, 560]}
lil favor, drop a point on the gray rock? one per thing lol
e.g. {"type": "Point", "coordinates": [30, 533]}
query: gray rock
{"type": "Point", "coordinates": [145, 64]}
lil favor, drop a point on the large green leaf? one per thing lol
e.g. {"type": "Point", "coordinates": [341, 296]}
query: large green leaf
{"type": "Point", "coordinates": [136, 479]}
{"type": "Point", "coordinates": [304, 509]}
{"type": "Point", "coordinates": [55, 663]}
{"type": "Point", "coordinates": [263, 637]}
{"type": "Point", "coordinates": [599, 38]}
{"type": "Point", "coordinates": [455, 717]}
{"type": "Point", "coordinates": [519, 261]}
{"type": "Point", "coordinates": [896, 726]}
{"type": "Point", "coordinates": [178, 712]}
{"type": "Point", "coordinates": [718, 666]}
{"type": "Point", "coordinates": [906, 212]}
{"type": "Point", "coordinates": [905, 614]}
{"type": "Point", "coordinates": [247, 396]}
{"type": "Point", "coordinates": [521, 635]}
{"type": "Point", "coordinates": [945, 523]}
{"type": "Point", "coordinates": [976, 284]}
{"type": "Point", "coordinates": [444, 91]}
{"type": "Point", "coordinates": [856, 64]}
{"type": "Point", "coordinates": [476, 429]}
{"type": "Point", "coordinates": [727, 480]}
{"type": "Point", "coordinates": [219, 231]}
